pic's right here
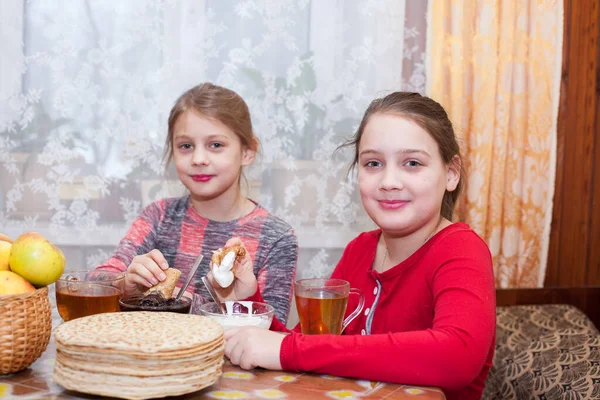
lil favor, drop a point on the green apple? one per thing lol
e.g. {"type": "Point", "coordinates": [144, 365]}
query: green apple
{"type": "Point", "coordinates": [37, 260]}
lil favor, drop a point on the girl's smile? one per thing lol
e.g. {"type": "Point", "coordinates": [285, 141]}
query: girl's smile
{"type": "Point", "coordinates": [392, 204]}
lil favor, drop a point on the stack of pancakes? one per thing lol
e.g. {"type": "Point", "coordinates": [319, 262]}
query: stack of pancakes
{"type": "Point", "coordinates": [139, 355]}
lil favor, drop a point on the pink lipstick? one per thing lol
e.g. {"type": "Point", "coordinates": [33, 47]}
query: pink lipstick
{"type": "Point", "coordinates": [202, 178]}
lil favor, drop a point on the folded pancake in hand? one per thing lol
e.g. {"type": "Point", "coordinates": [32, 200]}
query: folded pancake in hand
{"type": "Point", "coordinates": [166, 287]}
{"type": "Point", "coordinates": [218, 255]}
{"type": "Point", "coordinates": [222, 263]}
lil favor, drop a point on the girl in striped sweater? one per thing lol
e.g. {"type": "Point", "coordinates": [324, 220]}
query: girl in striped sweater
{"type": "Point", "coordinates": [210, 140]}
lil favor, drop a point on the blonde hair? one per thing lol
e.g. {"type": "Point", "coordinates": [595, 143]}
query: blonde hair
{"type": "Point", "coordinates": [217, 103]}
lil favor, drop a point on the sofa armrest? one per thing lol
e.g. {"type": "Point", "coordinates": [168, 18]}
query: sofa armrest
{"type": "Point", "coordinates": [560, 365]}
{"type": "Point", "coordinates": [544, 351]}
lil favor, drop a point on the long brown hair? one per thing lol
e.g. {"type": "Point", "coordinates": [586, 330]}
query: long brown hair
{"type": "Point", "coordinates": [430, 116]}
{"type": "Point", "coordinates": [218, 103]}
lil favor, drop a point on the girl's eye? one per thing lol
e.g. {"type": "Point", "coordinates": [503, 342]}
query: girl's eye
{"type": "Point", "coordinates": [185, 146]}
{"type": "Point", "coordinates": [216, 145]}
{"type": "Point", "coordinates": [372, 164]}
{"type": "Point", "coordinates": [413, 163]}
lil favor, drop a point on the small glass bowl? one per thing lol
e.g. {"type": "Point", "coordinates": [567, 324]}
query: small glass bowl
{"type": "Point", "coordinates": [240, 313]}
{"type": "Point", "coordinates": [131, 303]}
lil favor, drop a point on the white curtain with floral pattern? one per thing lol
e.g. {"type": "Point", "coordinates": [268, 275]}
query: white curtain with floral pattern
{"type": "Point", "coordinates": [86, 87]}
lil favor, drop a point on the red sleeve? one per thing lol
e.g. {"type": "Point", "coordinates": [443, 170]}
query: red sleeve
{"type": "Point", "coordinates": [140, 238]}
{"type": "Point", "coordinates": [451, 354]}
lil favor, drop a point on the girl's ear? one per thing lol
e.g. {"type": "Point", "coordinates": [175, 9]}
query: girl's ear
{"type": "Point", "coordinates": [249, 153]}
{"type": "Point", "coordinates": [453, 173]}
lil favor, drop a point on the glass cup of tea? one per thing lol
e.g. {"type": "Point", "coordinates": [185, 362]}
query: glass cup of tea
{"type": "Point", "coordinates": [83, 293]}
{"type": "Point", "coordinates": [321, 305]}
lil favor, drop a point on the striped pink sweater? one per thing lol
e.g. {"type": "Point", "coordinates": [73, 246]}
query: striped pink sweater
{"type": "Point", "coordinates": [181, 234]}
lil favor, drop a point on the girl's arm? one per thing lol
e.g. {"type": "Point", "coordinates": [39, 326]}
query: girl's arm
{"type": "Point", "coordinates": [276, 276]}
{"type": "Point", "coordinates": [451, 354]}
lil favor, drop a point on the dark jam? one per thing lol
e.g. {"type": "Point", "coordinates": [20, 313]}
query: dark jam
{"type": "Point", "coordinates": [155, 302]}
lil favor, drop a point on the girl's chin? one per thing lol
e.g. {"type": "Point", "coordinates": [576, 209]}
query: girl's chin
{"type": "Point", "coordinates": [397, 231]}
{"type": "Point", "coordinates": [211, 195]}
{"type": "Point", "coordinates": [398, 221]}
{"type": "Point", "coordinates": [203, 196]}
{"type": "Point", "coordinates": [207, 198]}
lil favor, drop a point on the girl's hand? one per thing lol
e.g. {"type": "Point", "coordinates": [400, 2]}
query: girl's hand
{"type": "Point", "coordinates": [145, 270]}
{"type": "Point", "coordinates": [244, 285]}
{"type": "Point", "coordinates": [251, 347]}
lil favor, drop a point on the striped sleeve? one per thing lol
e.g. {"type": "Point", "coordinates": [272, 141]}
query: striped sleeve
{"type": "Point", "coordinates": [140, 239]}
{"type": "Point", "coordinates": [276, 276]}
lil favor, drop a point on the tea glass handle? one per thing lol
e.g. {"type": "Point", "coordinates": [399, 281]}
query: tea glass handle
{"type": "Point", "coordinates": [358, 310]}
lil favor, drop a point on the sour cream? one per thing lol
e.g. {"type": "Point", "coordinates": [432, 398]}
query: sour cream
{"type": "Point", "coordinates": [239, 320]}
{"type": "Point", "coordinates": [235, 319]}
{"type": "Point", "coordinates": [222, 273]}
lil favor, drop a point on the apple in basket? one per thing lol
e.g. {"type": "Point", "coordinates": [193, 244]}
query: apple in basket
{"type": "Point", "coordinates": [11, 283]}
{"type": "Point", "coordinates": [24, 310]}
{"type": "Point", "coordinates": [5, 245]}
{"type": "Point", "coordinates": [37, 260]}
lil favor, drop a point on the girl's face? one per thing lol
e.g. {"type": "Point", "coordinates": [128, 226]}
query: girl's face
{"type": "Point", "coordinates": [208, 157]}
{"type": "Point", "coordinates": [401, 175]}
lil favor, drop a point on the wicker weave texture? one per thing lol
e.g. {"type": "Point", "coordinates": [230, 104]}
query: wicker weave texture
{"type": "Point", "coordinates": [25, 327]}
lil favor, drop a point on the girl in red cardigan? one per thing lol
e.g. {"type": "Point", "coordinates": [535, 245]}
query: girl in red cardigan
{"type": "Point", "coordinates": [429, 314]}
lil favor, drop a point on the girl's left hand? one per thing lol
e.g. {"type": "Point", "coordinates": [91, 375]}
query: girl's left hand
{"type": "Point", "coordinates": [251, 347]}
{"type": "Point", "coordinates": [244, 285]}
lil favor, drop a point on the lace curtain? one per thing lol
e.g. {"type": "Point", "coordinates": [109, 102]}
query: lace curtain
{"type": "Point", "coordinates": [86, 88]}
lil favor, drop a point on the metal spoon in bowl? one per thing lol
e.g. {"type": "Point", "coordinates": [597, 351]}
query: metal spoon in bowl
{"type": "Point", "coordinates": [213, 294]}
{"type": "Point", "coordinates": [190, 276]}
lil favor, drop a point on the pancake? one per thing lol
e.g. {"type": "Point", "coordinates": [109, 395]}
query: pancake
{"type": "Point", "coordinates": [166, 287]}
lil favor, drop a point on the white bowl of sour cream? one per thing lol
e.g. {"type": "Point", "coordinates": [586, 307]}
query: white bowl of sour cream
{"type": "Point", "coordinates": [240, 313]}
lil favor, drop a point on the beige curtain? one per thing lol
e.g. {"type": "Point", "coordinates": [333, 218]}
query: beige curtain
{"type": "Point", "coordinates": [495, 66]}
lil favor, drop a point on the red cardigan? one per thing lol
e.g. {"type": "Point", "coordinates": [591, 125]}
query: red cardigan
{"type": "Point", "coordinates": [434, 322]}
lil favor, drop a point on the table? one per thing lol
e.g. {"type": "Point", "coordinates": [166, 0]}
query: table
{"type": "Point", "coordinates": [36, 383]}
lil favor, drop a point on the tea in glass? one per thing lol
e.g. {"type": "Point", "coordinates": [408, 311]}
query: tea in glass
{"type": "Point", "coordinates": [321, 311]}
{"type": "Point", "coordinates": [83, 293]}
{"type": "Point", "coordinates": [321, 305]}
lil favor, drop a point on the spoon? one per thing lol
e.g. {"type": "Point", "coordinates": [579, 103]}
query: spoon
{"type": "Point", "coordinates": [213, 294]}
{"type": "Point", "coordinates": [190, 276]}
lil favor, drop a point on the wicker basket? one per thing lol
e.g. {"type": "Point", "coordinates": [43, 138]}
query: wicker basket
{"type": "Point", "coordinates": [25, 327]}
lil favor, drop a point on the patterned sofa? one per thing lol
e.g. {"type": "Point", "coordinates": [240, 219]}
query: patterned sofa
{"type": "Point", "coordinates": [544, 352]}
